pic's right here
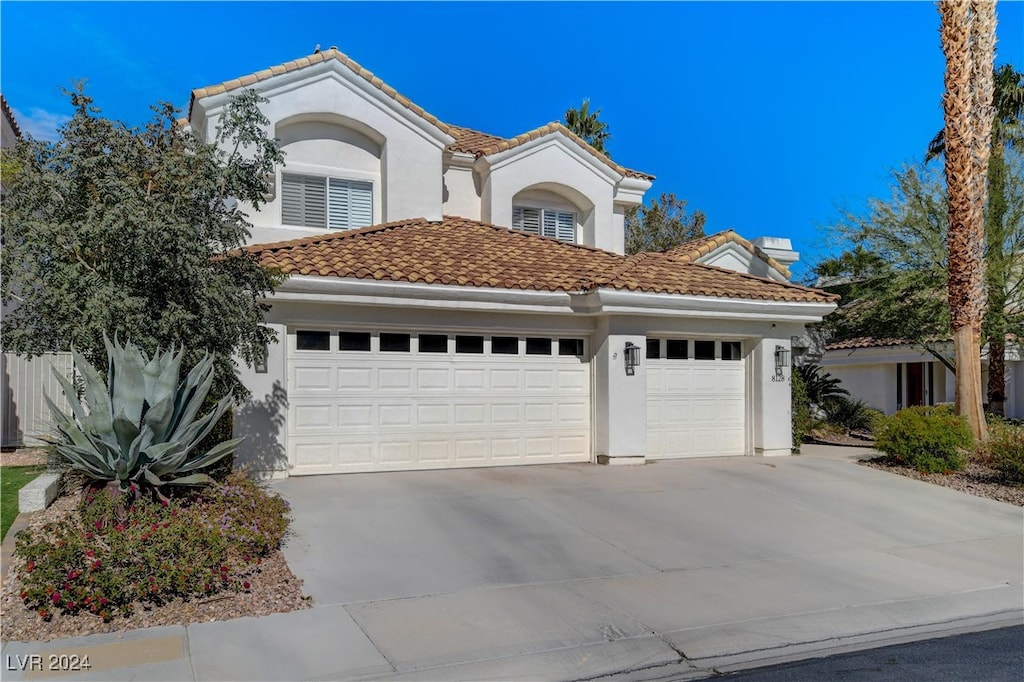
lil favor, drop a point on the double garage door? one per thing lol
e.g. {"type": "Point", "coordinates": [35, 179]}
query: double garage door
{"type": "Point", "coordinates": [372, 400]}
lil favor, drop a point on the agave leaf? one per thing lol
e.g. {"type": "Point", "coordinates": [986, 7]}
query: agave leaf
{"type": "Point", "coordinates": [126, 431]}
{"type": "Point", "coordinates": [128, 388]}
{"type": "Point", "coordinates": [201, 427]}
{"type": "Point", "coordinates": [186, 390]}
{"type": "Point", "coordinates": [96, 393]}
{"type": "Point", "coordinates": [212, 455]}
{"type": "Point", "coordinates": [158, 418]}
{"type": "Point", "coordinates": [189, 409]}
{"type": "Point", "coordinates": [165, 457]}
{"type": "Point", "coordinates": [152, 478]}
{"type": "Point", "coordinates": [193, 479]}
{"type": "Point", "coordinates": [84, 460]}
{"type": "Point", "coordinates": [72, 395]}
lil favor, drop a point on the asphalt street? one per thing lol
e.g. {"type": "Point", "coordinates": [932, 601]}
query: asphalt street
{"type": "Point", "coordinates": [990, 656]}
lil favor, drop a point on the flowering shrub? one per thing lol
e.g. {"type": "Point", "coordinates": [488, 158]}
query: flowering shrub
{"type": "Point", "coordinates": [108, 558]}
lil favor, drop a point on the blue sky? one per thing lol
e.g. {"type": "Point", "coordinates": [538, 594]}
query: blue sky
{"type": "Point", "coordinates": [766, 116]}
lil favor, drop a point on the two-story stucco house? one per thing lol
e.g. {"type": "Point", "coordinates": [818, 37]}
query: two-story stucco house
{"type": "Point", "coordinates": [458, 299]}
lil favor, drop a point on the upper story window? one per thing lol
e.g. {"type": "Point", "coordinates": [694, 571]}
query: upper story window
{"type": "Point", "coordinates": [321, 202]}
{"type": "Point", "coordinates": [542, 221]}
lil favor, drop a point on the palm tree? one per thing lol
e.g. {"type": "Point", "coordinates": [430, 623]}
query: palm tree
{"type": "Point", "coordinates": [586, 125]}
{"type": "Point", "coordinates": [1007, 132]}
{"type": "Point", "coordinates": [968, 42]}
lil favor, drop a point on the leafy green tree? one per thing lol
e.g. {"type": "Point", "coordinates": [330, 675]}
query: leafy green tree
{"type": "Point", "coordinates": [898, 291]}
{"type": "Point", "coordinates": [662, 224]}
{"type": "Point", "coordinates": [586, 124]}
{"type": "Point", "coordinates": [134, 232]}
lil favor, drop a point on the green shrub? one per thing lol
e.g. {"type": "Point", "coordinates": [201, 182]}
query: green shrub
{"type": "Point", "coordinates": [801, 409]}
{"type": "Point", "coordinates": [850, 414]}
{"type": "Point", "coordinates": [1004, 450]}
{"type": "Point", "coordinates": [107, 558]}
{"type": "Point", "coordinates": [930, 439]}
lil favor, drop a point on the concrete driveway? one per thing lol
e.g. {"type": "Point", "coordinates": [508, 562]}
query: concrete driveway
{"type": "Point", "coordinates": [671, 569]}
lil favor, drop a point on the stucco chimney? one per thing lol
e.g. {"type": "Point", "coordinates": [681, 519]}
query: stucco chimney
{"type": "Point", "coordinates": [779, 248]}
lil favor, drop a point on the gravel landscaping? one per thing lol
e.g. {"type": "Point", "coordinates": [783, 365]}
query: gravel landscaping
{"type": "Point", "coordinates": [974, 480]}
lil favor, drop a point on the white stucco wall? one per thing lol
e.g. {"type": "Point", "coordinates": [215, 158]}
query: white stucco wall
{"type": "Point", "coordinates": [875, 384]}
{"type": "Point", "coordinates": [410, 164]}
{"type": "Point", "coordinates": [550, 166]}
{"type": "Point", "coordinates": [461, 192]}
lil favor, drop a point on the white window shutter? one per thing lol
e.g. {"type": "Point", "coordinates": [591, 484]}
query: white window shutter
{"type": "Point", "coordinates": [337, 204]}
{"type": "Point", "coordinates": [526, 219]}
{"type": "Point", "coordinates": [360, 204]}
{"type": "Point", "coordinates": [302, 200]}
{"type": "Point", "coordinates": [566, 229]}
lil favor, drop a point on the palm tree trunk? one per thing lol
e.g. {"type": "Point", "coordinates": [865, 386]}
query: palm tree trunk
{"type": "Point", "coordinates": [994, 323]}
{"type": "Point", "coordinates": [968, 41]}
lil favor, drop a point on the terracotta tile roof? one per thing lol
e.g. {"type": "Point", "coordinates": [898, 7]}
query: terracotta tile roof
{"type": "Point", "coordinates": [865, 342]}
{"type": "Point", "coordinates": [459, 251]}
{"type": "Point", "coordinates": [466, 140]}
{"type": "Point", "coordinates": [697, 248]}
{"type": "Point", "coordinates": [9, 115]}
{"type": "Point", "coordinates": [481, 144]}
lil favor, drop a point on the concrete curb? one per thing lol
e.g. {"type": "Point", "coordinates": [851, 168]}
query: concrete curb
{"type": "Point", "coordinates": [39, 493]}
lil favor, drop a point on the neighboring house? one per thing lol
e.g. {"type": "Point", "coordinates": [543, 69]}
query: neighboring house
{"type": "Point", "coordinates": [890, 374]}
{"type": "Point", "coordinates": [23, 382]}
{"type": "Point", "coordinates": [459, 299]}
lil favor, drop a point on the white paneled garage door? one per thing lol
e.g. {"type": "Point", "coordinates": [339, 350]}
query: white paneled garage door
{"type": "Point", "coordinates": [378, 401]}
{"type": "Point", "coordinates": [696, 404]}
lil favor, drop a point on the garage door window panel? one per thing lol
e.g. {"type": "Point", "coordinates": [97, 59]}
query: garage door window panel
{"type": "Point", "coordinates": [653, 349]}
{"type": "Point", "coordinates": [570, 347]}
{"type": "Point", "coordinates": [312, 340]}
{"type": "Point", "coordinates": [538, 346]}
{"type": "Point", "coordinates": [677, 349]}
{"type": "Point", "coordinates": [394, 343]}
{"type": "Point", "coordinates": [505, 345]}
{"type": "Point", "coordinates": [703, 350]}
{"type": "Point", "coordinates": [354, 341]}
{"type": "Point", "coordinates": [469, 344]}
{"type": "Point", "coordinates": [731, 350]}
{"type": "Point", "coordinates": [433, 343]}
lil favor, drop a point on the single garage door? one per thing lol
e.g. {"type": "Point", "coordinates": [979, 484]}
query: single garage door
{"type": "Point", "coordinates": [696, 398]}
{"type": "Point", "coordinates": [371, 400]}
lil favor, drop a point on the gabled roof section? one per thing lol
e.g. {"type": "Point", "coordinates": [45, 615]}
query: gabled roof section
{"type": "Point", "coordinates": [9, 115]}
{"type": "Point", "coordinates": [481, 144]}
{"type": "Point", "coordinates": [462, 252]}
{"type": "Point", "coordinates": [692, 251]}
{"type": "Point", "coordinates": [304, 62]}
{"type": "Point", "coordinates": [466, 140]}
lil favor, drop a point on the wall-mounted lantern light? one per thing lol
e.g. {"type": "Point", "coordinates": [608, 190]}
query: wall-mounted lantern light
{"type": "Point", "coordinates": [781, 359]}
{"type": "Point", "coordinates": [261, 362]}
{"type": "Point", "coordinates": [631, 354]}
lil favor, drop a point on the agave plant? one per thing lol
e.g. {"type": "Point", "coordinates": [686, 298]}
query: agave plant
{"type": "Point", "coordinates": [143, 427]}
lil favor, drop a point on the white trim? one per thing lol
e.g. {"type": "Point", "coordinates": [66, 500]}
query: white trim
{"type": "Point", "coordinates": [629, 191]}
{"type": "Point", "coordinates": [640, 303]}
{"type": "Point", "coordinates": [312, 288]}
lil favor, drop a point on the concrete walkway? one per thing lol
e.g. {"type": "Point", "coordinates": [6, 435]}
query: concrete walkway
{"type": "Point", "coordinates": [674, 570]}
